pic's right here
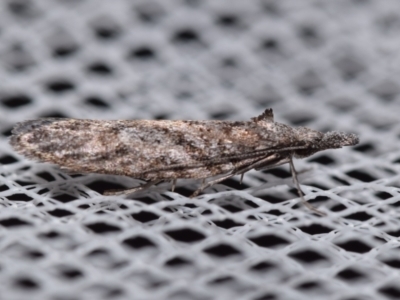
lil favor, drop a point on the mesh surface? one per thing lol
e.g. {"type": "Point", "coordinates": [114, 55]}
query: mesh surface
{"type": "Point", "coordinates": [328, 65]}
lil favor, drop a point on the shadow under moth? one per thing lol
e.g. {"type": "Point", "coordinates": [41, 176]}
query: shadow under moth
{"type": "Point", "coordinates": [167, 150]}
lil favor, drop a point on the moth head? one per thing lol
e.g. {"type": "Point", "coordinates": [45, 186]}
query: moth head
{"type": "Point", "coordinates": [334, 140]}
{"type": "Point", "coordinates": [317, 141]}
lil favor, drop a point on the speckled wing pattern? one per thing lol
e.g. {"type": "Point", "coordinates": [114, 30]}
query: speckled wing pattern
{"type": "Point", "coordinates": [167, 150]}
{"type": "Point", "coordinates": [150, 150]}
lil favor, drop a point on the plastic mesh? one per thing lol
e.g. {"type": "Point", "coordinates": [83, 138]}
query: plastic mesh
{"type": "Point", "coordinates": [328, 65]}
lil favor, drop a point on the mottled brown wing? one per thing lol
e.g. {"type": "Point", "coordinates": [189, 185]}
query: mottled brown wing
{"type": "Point", "coordinates": [146, 149]}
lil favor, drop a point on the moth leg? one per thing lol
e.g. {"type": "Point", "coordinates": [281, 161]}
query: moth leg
{"type": "Point", "coordinates": [268, 165]}
{"type": "Point", "coordinates": [241, 178]}
{"type": "Point", "coordinates": [300, 192]}
{"type": "Point", "coordinates": [241, 171]}
{"type": "Point", "coordinates": [173, 185]}
{"type": "Point", "coordinates": [131, 190]}
{"type": "Point", "coordinates": [210, 183]}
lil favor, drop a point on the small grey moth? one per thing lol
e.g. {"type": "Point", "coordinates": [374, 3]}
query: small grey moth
{"type": "Point", "coordinates": [167, 150]}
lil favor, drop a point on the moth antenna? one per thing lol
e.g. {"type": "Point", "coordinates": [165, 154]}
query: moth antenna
{"type": "Point", "coordinates": [267, 116]}
{"type": "Point", "coordinates": [300, 192]}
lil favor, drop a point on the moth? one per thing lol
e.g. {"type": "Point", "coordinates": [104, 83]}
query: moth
{"type": "Point", "coordinates": [167, 150]}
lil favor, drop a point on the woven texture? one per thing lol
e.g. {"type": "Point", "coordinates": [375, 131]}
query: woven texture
{"type": "Point", "coordinates": [327, 65]}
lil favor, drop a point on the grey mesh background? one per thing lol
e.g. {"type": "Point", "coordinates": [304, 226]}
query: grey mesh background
{"type": "Point", "coordinates": [327, 65]}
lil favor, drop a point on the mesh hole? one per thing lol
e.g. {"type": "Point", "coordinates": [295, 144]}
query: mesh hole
{"type": "Point", "coordinates": [97, 102]}
{"type": "Point", "coordinates": [102, 227]}
{"type": "Point", "coordinates": [185, 235]}
{"type": "Point", "coordinates": [13, 222]}
{"type": "Point", "coordinates": [16, 101]}
{"type": "Point", "coordinates": [228, 21]}
{"type": "Point", "coordinates": [64, 198]}
{"type": "Point", "coordinates": [364, 147]}
{"type": "Point", "coordinates": [349, 67]}
{"type": "Point", "coordinates": [177, 262]}
{"type": "Point", "coordinates": [101, 185]}
{"type": "Point", "coordinates": [68, 272]}
{"type": "Point", "coordinates": [263, 267]}
{"type": "Point", "coordinates": [278, 172]}
{"type": "Point", "coordinates": [351, 275]}
{"type": "Point", "coordinates": [222, 250]}
{"type": "Point", "coordinates": [323, 160]}
{"type": "Point", "coordinates": [22, 9]}
{"type": "Point", "coordinates": [143, 53]}
{"type": "Point", "coordinates": [138, 242]}
{"type": "Point", "coordinates": [310, 286]}
{"type": "Point", "coordinates": [100, 68]}
{"type": "Point", "coordinates": [145, 216]}
{"type": "Point", "coordinates": [185, 36]}
{"type": "Point", "coordinates": [227, 223]}
{"type": "Point", "coordinates": [308, 256]}
{"type": "Point", "coordinates": [271, 45]}
{"type": "Point", "coordinates": [361, 175]}
{"type": "Point", "coordinates": [268, 296]}
{"type": "Point", "coordinates": [7, 132]}
{"type": "Point", "coordinates": [315, 229]}
{"type": "Point", "coordinates": [355, 246]}
{"type": "Point", "coordinates": [53, 114]}
{"type": "Point", "coordinates": [64, 51]}
{"type": "Point", "coordinates": [26, 283]}
{"type": "Point", "coordinates": [359, 216]}
{"type": "Point", "coordinates": [60, 86]}
{"type": "Point", "coordinates": [46, 176]}
{"type": "Point", "coordinates": [310, 36]}
{"type": "Point", "coordinates": [19, 197]}
{"type": "Point", "coordinates": [394, 263]}
{"type": "Point", "coordinates": [7, 159]}
{"type": "Point", "coordinates": [60, 213]}
{"type": "Point", "coordinates": [106, 29]}
{"type": "Point", "coordinates": [392, 292]}
{"type": "Point", "coordinates": [269, 241]}
{"type": "Point", "coordinates": [149, 12]}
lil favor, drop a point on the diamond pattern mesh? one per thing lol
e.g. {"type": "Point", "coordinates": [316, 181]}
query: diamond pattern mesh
{"type": "Point", "coordinates": [327, 65]}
